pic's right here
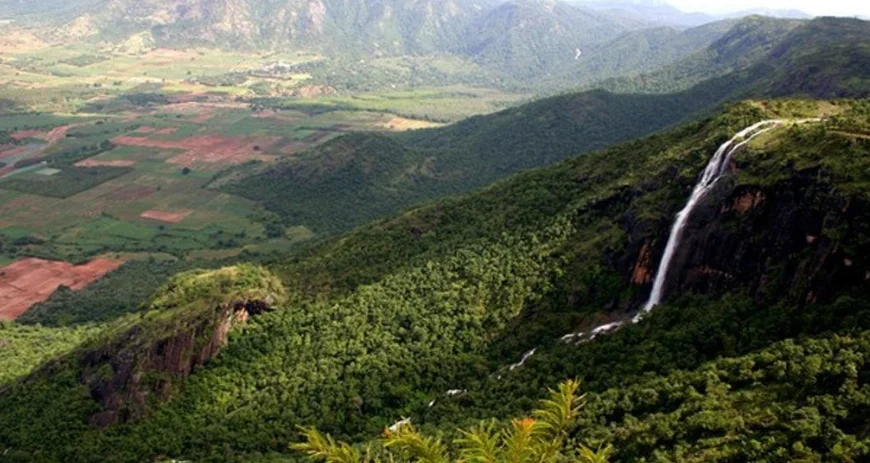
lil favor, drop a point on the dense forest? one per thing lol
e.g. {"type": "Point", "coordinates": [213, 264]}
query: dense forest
{"type": "Point", "coordinates": [433, 315]}
{"type": "Point", "coordinates": [321, 258]}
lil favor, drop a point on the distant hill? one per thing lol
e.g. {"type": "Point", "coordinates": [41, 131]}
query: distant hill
{"type": "Point", "coordinates": [529, 37]}
{"type": "Point", "coordinates": [773, 13]}
{"type": "Point", "coordinates": [637, 52]}
{"type": "Point", "coordinates": [650, 12]}
{"type": "Point", "coordinates": [373, 27]}
{"type": "Point", "coordinates": [519, 42]}
{"type": "Point", "coordinates": [748, 43]}
{"type": "Point", "coordinates": [359, 178]}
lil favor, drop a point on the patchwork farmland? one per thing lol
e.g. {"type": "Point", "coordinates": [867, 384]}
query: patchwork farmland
{"type": "Point", "coordinates": [138, 181]}
{"type": "Point", "coordinates": [132, 164]}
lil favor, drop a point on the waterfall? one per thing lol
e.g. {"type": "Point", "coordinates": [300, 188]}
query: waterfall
{"type": "Point", "coordinates": [717, 168]}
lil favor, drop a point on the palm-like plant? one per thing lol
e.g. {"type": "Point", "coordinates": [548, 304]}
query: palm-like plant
{"type": "Point", "coordinates": [540, 439]}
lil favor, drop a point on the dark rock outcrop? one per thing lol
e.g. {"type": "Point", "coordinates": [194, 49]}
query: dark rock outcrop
{"type": "Point", "coordinates": [139, 368]}
{"type": "Point", "coordinates": [799, 238]}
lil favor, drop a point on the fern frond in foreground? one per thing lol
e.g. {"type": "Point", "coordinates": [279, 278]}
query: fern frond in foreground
{"type": "Point", "coordinates": [540, 439]}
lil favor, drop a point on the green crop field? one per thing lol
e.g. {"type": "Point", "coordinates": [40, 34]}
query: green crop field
{"type": "Point", "coordinates": [85, 185]}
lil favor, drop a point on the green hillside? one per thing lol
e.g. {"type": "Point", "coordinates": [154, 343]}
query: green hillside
{"type": "Point", "coordinates": [360, 178]}
{"type": "Point", "coordinates": [528, 38]}
{"type": "Point", "coordinates": [446, 296]}
{"type": "Point", "coordinates": [637, 52]}
{"type": "Point", "coordinates": [303, 276]}
{"type": "Point", "coordinates": [800, 49]}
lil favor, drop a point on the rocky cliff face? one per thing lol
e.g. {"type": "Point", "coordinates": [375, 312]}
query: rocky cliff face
{"type": "Point", "coordinates": [136, 370]}
{"type": "Point", "coordinates": [141, 361]}
{"type": "Point", "coordinates": [799, 238]}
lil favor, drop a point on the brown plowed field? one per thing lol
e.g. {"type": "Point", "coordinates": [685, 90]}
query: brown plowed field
{"type": "Point", "coordinates": [22, 134]}
{"type": "Point", "coordinates": [207, 149]}
{"type": "Point", "coordinates": [13, 152]}
{"type": "Point", "coordinates": [97, 163]}
{"type": "Point", "coordinates": [57, 134]}
{"type": "Point", "coordinates": [31, 281]}
{"type": "Point", "coordinates": [168, 217]}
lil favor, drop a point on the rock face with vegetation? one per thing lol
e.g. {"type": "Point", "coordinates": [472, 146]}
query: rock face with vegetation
{"type": "Point", "coordinates": [186, 324]}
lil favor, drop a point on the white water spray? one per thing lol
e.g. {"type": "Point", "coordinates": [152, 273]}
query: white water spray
{"type": "Point", "coordinates": [717, 168]}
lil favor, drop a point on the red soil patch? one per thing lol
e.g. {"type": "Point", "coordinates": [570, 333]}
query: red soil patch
{"type": "Point", "coordinates": [51, 137]}
{"type": "Point", "coordinates": [22, 134]}
{"type": "Point", "coordinates": [130, 193]}
{"type": "Point", "coordinates": [13, 152]}
{"type": "Point", "coordinates": [31, 281]}
{"type": "Point", "coordinates": [148, 130]}
{"type": "Point", "coordinates": [96, 163]}
{"type": "Point", "coordinates": [56, 134]}
{"type": "Point", "coordinates": [5, 170]}
{"type": "Point", "coordinates": [206, 149]}
{"type": "Point", "coordinates": [168, 217]}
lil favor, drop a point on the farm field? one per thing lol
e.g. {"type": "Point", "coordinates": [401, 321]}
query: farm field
{"type": "Point", "coordinates": [137, 181]}
{"type": "Point", "coordinates": [116, 153]}
{"type": "Point", "coordinates": [80, 78]}
{"type": "Point", "coordinates": [30, 281]}
{"type": "Point", "coordinates": [120, 150]}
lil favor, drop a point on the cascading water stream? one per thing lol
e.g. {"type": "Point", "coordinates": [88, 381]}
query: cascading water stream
{"type": "Point", "coordinates": [715, 170]}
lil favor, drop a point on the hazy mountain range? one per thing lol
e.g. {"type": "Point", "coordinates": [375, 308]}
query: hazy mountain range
{"type": "Point", "coordinates": [522, 39]}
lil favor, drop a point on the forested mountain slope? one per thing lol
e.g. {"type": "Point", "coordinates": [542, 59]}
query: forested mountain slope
{"type": "Point", "coordinates": [637, 52]}
{"type": "Point", "coordinates": [353, 180]}
{"type": "Point", "coordinates": [758, 42]}
{"type": "Point", "coordinates": [448, 296]}
{"type": "Point", "coordinates": [528, 38]}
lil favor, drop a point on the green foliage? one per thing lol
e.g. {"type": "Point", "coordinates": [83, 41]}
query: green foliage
{"type": "Point", "coordinates": [389, 317]}
{"type": "Point", "coordinates": [22, 348]}
{"type": "Point", "coordinates": [211, 288]}
{"type": "Point", "coordinates": [119, 293]}
{"type": "Point", "coordinates": [795, 401]}
{"type": "Point", "coordinates": [541, 439]}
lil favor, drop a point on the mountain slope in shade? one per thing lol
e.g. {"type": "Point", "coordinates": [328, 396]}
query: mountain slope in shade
{"type": "Point", "coordinates": [371, 176]}
{"type": "Point", "coordinates": [531, 37]}
{"type": "Point", "coordinates": [748, 43]}
{"type": "Point", "coordinates": [639, 52]}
